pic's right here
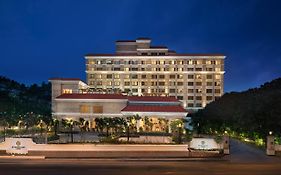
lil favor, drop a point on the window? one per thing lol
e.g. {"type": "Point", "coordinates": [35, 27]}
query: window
{"type": "Point", "coordinates": [109, 83]}
{"type": "Point", "coordinates": [134, 90]}
{"type": "Point", "coordinates": [127, 83]}
{"type": "Point", "coordinates": [198, 105]}
{"type": "Point", "coordinates": [143, 76]}
{"type": "Point", "coordinates": [218, 76]}
{"type": "Point", "coordinates": [190, 76]}
{"type": "Point", "coordinates": [172, 76]}
{"type": "Point", "coordinates": [198, 90]}
{"type": "Point", "coordinates": [209, 98]}
{"type": "Point", "coordinates": [109, 76]}
{"type": "Point", "coordinates": [116, 69]}
{"type": "Point", "coordinates": [127, 76]}
{"type": "Point", "coordinates": [198, 69]}
{"type": "Point", "coordinates": [134, 76]}
{"type": "Point", "coordinates": [97, 109]}
{"type": "Point", "coordinates": [190, 83]}
{"type": "Point", "coordinates": [161, 83]}
{"type": "Point", "coordinates": [217, 91]}
{"type": "Point", "coordinates": [217, 83]}
{"type": "Point", "coordinates": [198, 97]}
{"type": "Point", "coordinates": [84, 109]}
{"type": "Point", "coordinates": [198, 76]}
{"type": "Point", "coordinates": [180, 76]}
{"type": "Point", "coordinates": [190, 98]}
{"type": "Point", "coordinates": [153, 53]}
{"type": "Point", "coordinates": [209, 83]}
{"type": "Point", "coordinates": [198, 83]}
{"type": "Point", "coordinates": [116, 76]}
{"type": "Point", "coordinates": [135, 69]}
{"type": "Point", "coordinates": [190, 69]}
{"type": "Point", "coordinates": [190, 105]}
{"type": "Point", "coordinates": [190, 90]}
{"type": "Point", "coordinates": [209, 91]}
{"type": "Point", "coordinates": [209, 76]}
{"type": "Point", "coordinates": [180, 83]}
{"type": "Point", "coordinates": [134, 83]}
{"type": "Point", "coordinates": [172, 90]}
{"type": "Point", "coordinates": [154, 76]}
{"type": "Point", "coordinates": [180, 97]}
{"type": "Point", "coordinates": [116, 83]}
{"type": "Point", "coordinates": [144, 53]}
{"type": "Point", "coordinates": [161, 76]}
{"type": "Point", "coordinates": [67, 91]}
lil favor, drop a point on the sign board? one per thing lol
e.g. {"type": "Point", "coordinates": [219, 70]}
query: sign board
{"type": "Point", "coordinates": [18, 145]}
{"type": "Point", "coordinates": [204, 144]}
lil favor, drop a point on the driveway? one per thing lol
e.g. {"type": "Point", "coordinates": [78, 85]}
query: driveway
{"type": "Point", "coordinates": [246, 153]}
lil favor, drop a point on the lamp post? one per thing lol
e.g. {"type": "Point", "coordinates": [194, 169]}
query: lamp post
{"type": "Point", "coordinates": [107, 125]}
{"type": "Point", "coordinates": [71, 130]}
{"type": "Point", "coordinates": [128, 131]}
{"type": "Point", "coordinates": [179, 132]}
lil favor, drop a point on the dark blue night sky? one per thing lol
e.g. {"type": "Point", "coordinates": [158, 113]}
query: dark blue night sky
{"type": "Point", "coordinates": [40, 39]}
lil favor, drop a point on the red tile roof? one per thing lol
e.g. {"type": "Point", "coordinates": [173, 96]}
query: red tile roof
{"type": "Point", "coordinates": [66, 79]}
{"type": "Point", "coordinates": [143, 108]}
{"type": "Point", "coordinates": [92, 96]}
{"type": "Point", "coordinates": [152, 98]}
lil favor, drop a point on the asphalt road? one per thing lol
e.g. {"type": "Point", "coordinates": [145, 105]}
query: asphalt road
{"type": "Point", "coordinates": [244, 159]}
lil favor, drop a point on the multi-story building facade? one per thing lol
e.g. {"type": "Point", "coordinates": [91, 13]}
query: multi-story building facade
{"type": "Point", "coordinates": [144, 70]}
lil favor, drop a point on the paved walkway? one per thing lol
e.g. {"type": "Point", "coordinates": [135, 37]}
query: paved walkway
{"type": "Point", "coordinates": [246, 153]}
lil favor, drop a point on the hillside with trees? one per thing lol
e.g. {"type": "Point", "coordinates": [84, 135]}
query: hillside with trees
{"type": "Point", "coordinates": [252, 113]}
{"type": "Point", "coordinates": [18, 101]}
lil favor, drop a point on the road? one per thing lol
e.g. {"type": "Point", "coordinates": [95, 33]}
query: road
{"type": "Point", "coordinates": [244, 159]}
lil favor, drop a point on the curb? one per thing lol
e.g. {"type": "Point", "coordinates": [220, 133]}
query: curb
{"type": "Point", "coordinates": [23, 157]}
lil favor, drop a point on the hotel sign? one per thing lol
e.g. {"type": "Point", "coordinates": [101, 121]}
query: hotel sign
{"type": "Point", "coordinates": [18, 145]}
{"type": "Point", "coordinates": [204, 144]}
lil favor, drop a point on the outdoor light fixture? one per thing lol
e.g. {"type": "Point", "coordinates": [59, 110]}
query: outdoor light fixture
{"type": "Point", "coordinates": [270, 132]}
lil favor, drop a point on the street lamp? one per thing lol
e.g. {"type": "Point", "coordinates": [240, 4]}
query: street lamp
{"type": "Point", "coordinates": [270, 133]}
{"type": "Point", "coordinates": [128, 131]}
{"type": "Point", "coordinates": [107, 124]}
{"type": "Point", "coordinates": [179, 132]}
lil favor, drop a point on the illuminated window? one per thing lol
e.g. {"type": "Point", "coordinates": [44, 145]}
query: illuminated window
{"type": "Point", "coordinates": [217, 69]}
{"type": "Point", "coordinates": [97, 109]}
{"type": "Point", "coordinates": [218, 76]}
{"type": "Point", "coordinates": [116, 83]}
{"type": "Point", "coordinates": [134, 83]}
{"type": "Point", "coordinates": [116, 76]}
{"type": "Point", "coordinates": [67, 91]}
{"type": "Point", "coordinates": [84, 109]}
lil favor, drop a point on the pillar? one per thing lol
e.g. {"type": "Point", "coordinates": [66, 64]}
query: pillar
{"type": "Point", "coordinates": [169, 126]}
{"type": "Point", "coordinates": [270, 148]}
{"type": "Point", "coordinates": [138, 125]}
{"type": "Point", "coordinates": [226, 144]}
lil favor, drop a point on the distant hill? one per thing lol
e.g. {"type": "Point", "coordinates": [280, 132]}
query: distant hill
{"type": "Point", "coordinates": [18, 99]}
{"type": "Point", "coordinates": [255, 111]}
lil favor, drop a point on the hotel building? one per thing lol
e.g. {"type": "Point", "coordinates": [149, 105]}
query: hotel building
{"type": "Point", "coordinates": [140, 79]}
{"type": "Point", "coordinates": [144, 70]}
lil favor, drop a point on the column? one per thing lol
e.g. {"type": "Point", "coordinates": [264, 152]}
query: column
{"type": "Point", "coordinates": [138, 125]}
{"type": "Point", "coordinates": [169, 126]}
